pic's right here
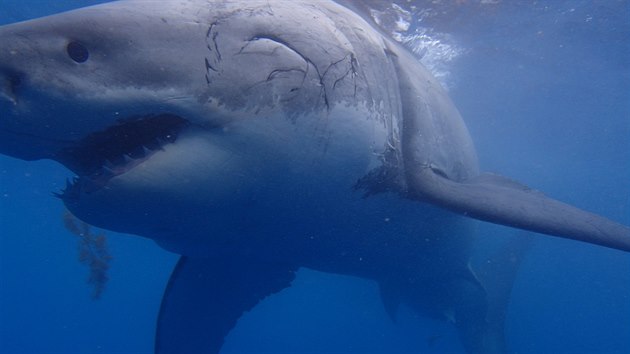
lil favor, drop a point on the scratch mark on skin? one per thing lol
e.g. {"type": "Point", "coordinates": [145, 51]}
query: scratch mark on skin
{"type": "Point", "coordinates": [279, 71]}
{"type": "Point", "coordinates": [269, 9]}
{"type": "Point", "coordinates": [214, 36]}
{"type": "Point", "coordinates": [212, 62]}
{"type": "Point", "coordinates": [210, 67]}
{"type": "Point", "coordinates": [323, 91]}
{"type": "Point", "coordinates": [276, 72]}
{"type": "Point", "coordinates": [352, 69]}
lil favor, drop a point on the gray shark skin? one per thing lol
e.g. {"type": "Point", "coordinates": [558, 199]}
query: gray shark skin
{"type": "Point", "coordinates": [258, 137]}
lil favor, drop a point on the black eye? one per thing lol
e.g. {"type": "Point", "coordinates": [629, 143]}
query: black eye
{"type": "Point", "coordinates": [77, 52]}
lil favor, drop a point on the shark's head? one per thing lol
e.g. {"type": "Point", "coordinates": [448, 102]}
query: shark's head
{"type": "Point", "coordinates": [71, 75]}
{"type": "Point", "coordinates": [159, 105]}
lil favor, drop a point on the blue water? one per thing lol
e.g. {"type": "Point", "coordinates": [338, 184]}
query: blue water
{"type": "Point", "coordinates": [545, 91]}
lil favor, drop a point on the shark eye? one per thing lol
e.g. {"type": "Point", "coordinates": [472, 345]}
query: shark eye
{"type": "Point", "coordinates": [77, 52]}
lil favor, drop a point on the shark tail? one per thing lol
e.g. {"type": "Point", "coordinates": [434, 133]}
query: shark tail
{"type": "Point", "coordinates": [497, 273]}
{"type": "Point", "coordinates": [475, 299]}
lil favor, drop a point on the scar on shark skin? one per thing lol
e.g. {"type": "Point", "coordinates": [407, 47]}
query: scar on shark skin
{"type": "Point", "coordinates": [93, 252]}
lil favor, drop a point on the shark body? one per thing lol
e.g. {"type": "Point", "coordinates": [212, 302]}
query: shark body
{"type": "Point", "coordinates": [256, 137]}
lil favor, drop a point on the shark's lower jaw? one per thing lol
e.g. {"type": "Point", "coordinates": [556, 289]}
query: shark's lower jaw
{"type": "Point", "coordinates": [103, 155]}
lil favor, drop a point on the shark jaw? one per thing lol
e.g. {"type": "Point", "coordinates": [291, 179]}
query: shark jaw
{"type": "Point", "coordinates": [167, 176]}
{"type": "Point", "coordinates": [106, 154]}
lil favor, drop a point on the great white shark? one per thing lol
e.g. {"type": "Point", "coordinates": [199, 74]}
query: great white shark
{"type": "Point", "coordinates": [258, 137]}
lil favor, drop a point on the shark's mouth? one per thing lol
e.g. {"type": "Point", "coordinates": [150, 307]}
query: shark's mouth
{"type": "Point", "coordinates": [102, 155]}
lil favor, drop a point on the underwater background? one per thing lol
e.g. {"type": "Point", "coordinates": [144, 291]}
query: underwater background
{"type": "Point", "coordinates": [544, 87]}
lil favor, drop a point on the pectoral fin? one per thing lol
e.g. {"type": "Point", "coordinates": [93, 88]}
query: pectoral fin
{"type": "Point", "coordinates": [205, 297]}
{"type": "Point", "coordinates": [502, 201]}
